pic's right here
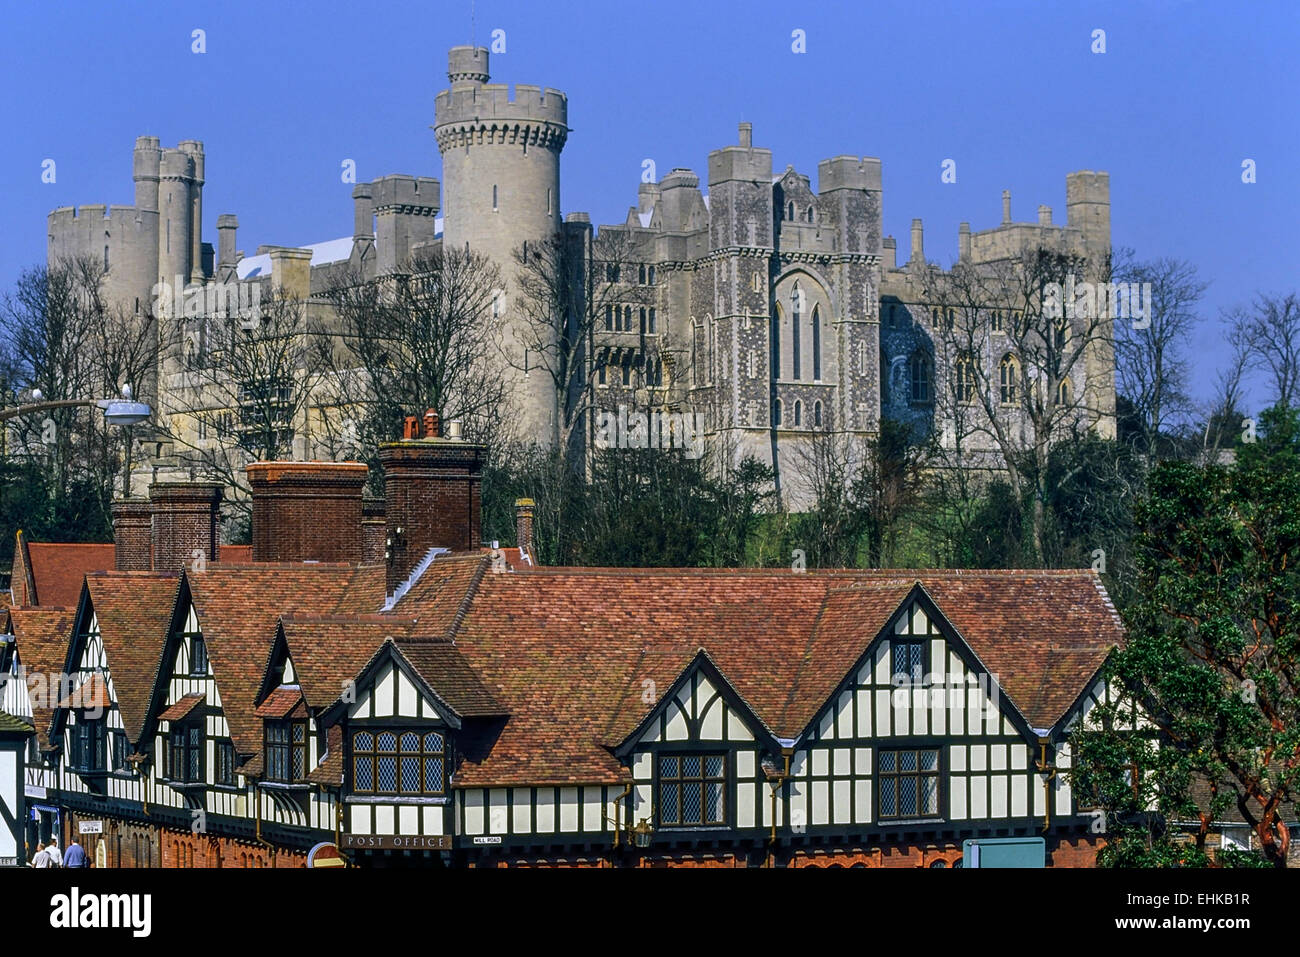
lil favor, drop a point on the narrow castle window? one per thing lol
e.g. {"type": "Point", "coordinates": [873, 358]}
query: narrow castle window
{"type": "Point", "coordinates": [609, 318]}
{"type": "Point", "coordinates": [600, 372]}
{"type": "Point", "coordinates": [795, 306]}
{"type": "Point", "coordinates": [776, 343]}
{"type": "Point", "coordinates": [920, 376]}
{"type": "Point", "coordinates": [809, 214]}
{"type": "Point", "coordinates": [652, 320]}
{"type": "Point", "coordinates": [965, 380]}
{"type": "Point", "coordinates": [817, 344]}
{"type": "Point", "coordinates": [798, 413]}
{"type": "Point", "coordinates": [789, 213]}
{"type": "Point", "coordinates": [627, 372]}
{"type": "Point", "coordinates": [1008, 372]}
{"type": "Point", "coordinates": [105, 259]}
{"type": "Point", "coordinates": [627, 318]}
{"type": "Point", "coordinates": [1063, 392]}
{"type": "Point", "coordinates": [494, 198]}
{"type": "Point", "coordinates": [817, 414]}
{"type": "Point", "coordinates": [776, 413]}
{"type": "Point", "coordinates": [652, 275]}
{"type": "Point", "coordinates": [643, 324]}
{"type": "Point", "coordinates": [641, 274]}
{"type": "Point", "coordinates": [549, 207]}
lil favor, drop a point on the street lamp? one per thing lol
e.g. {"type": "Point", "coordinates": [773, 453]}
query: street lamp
{"type": "Point", "coordinates": [123, 411]}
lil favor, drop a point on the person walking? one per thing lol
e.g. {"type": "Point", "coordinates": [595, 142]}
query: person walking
{"type": "Point", "coordinates": [56, 856]}
{"type": "Point", "coordinates": [42, 857]}
{"type": "Point", "coordinates": [75, 855]}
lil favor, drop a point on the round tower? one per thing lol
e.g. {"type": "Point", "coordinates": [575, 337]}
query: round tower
{"type": "Point", "coordinates": [501, 187]}
{"type": "Point", "coordinates": [175, 208]}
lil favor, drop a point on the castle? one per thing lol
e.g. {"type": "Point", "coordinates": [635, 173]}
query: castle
{"type": "Point", "coordinates": [774, 312]}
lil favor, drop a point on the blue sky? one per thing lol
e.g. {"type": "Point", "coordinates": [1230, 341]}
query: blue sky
{"type": "Point", "coordinates": [1009, 90]}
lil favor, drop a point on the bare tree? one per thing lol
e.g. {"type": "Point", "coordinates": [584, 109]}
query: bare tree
{"type": "Point", "coordinates": [1269, 334]}
{"type": "Point", "coordinates": [572, 292]}
{"type": "Point", "coordinates": [1150, 353]}
{"type": "Point", "coordinates": [1014, 340]}
{"type": "Point", "coordinates": [417, 339]}
{"type": "Point", "coordinates": [243, 390]}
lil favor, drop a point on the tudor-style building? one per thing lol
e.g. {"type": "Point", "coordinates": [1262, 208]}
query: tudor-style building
{"type": "Point", "coordinates": [449, 708]}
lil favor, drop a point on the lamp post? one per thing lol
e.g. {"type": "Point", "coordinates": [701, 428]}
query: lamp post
{"type": "Point", "coordinates": [123, 412]}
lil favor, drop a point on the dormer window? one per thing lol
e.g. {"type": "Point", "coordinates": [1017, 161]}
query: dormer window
{"type": "Point", "coordinates": [185, 753]}
{"type": "Point", "coordinates": [692, 790]}
{"type": "Point", "coordinates": [88, 742]}
{"type": "Point", "coordinates": [286, 751]}
{"type": "Point", "coordinates": [407, 762]}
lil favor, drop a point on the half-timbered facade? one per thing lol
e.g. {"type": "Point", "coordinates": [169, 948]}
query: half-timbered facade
{"type": "Point", "coordinates": [444, 707]}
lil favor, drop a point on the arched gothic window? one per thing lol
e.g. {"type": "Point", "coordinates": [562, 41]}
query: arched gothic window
{"type": "Point", "coordinates": [919, 367]}
{"type": "Point", "coordinates": [1008, 377]}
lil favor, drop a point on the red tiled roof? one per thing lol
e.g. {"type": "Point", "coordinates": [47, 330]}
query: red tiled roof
{"type": "Point", "coordinates": [134, 610]}
{"type": "Point", "coordinates": [446, 672]}
{"type": "Point", "coordinates": [91, 694]}
{"type": "Point", "coordinates": [329, 652]}
{"type": "Point", "coordinates": [568, 652]}
{"type": "Point", "coordinates": [42, 635]}
{"type": "Point", "coordinates": [280, 702]}
{"type": "Point", "coordinates": [238, 606]}
{"type": "Point", "coordinates": [58, 568]}
{"type": "Point", "coordinates": [183, 707]}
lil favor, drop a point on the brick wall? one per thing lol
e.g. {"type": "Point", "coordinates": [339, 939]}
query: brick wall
{"type": "Point", "coordinates": [433, 491]}
{"type": "Point", "coordinates": [133, 535]}
{"type": "Point", "coordinates": [185, 522]}
{"type": "Point", "coordinates": [307, 511]}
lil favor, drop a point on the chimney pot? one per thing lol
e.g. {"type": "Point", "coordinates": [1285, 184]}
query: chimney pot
{"type": "Point", "coordinates": [747, 135]}
{"type": "Point", "coordinates": [430, 424]}
{"type": "Point", "coordinates": [1006, 206]}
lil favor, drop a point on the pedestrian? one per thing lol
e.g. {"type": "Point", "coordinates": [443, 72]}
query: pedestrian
{"type": "Point", "coordinates": [75, 855]}
{"type": "Point", "coordinates": [42, 857]}
{"type": "Point", "coordinates": [56, 856]}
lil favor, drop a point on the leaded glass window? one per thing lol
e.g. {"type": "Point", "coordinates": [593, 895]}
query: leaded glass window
{"type": "Point", "coordinates": [398, 762]}
{"type": "Point", "coordinates": [909, 660]}
{"type": "Point", "coordinates": [908, 784]}
{"type": "Point", "coordinates": [692, 790]}
{"type": "Point", "coordinates": [286, 751]}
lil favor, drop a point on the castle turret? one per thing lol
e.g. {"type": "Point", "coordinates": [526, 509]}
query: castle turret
{"type": "Point", "coordinates": [501, 170]}
{"type": "Point", "coordinates": [1087, 208]}
{"type": "Point", "coordinates": [363, 221]}
{"type": "Point", "coordinates": [405, 210]}
{"type": "Point", "coordinates": [147, 160]}
{"type": "Point", "coordinates": [176, 210]}
{"type": "Point", "coordinates": [194, 150]}
{"type": "Point", "coordinates": [227, 258]}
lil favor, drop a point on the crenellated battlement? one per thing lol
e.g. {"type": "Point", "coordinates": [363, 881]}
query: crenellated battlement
{"type": "Point", "coordinates": [405, 194]}
{"type": "Point", "coordinates": [483, 114]}
{"type": "Point", "coordinates": [97, 216]}
{"type": "Point", "coordinates": [848, 172]}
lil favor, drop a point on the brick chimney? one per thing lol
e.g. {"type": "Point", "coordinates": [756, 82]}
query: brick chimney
{"type": "Point", "coordinates": [307, 511]}
{"type": "Point", "coordinates": [185, 520]}
{"type": "Point", "coordinates": [133, 534]}
{"type": "Point", "coordinates": [433, 488]}
{"type": "Point", "coordinates": [524, 509]}
{"type": "Point", "coordinates": [373, 531]}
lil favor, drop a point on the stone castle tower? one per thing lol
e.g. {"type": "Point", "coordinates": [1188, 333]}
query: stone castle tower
{"type": "Point", "coordinates": [501, 173]}
{"type": "Point", "coordinates": [774, 311]}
